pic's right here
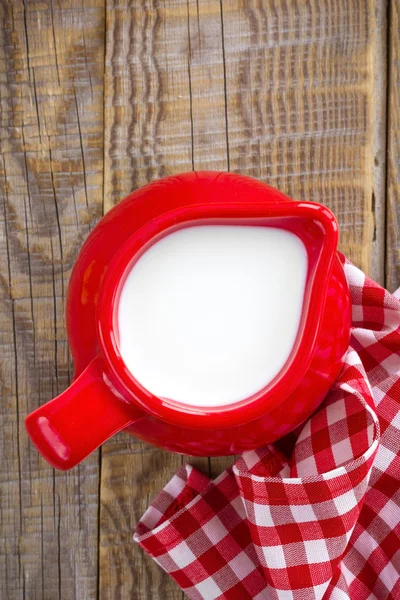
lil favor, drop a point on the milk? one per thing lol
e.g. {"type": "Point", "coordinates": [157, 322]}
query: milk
{"type": "Point", "coordinates": [209, 314]}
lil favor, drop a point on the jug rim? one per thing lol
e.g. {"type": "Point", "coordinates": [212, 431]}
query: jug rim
{"type": "Point", "coordinates": [313, 223]}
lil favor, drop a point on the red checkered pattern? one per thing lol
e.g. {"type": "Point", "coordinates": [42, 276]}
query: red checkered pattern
{"type": "Point", "coordinates": [316, 515]}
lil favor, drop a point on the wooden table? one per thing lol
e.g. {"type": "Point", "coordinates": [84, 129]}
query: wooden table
{"type": "Point", "coordinates": [99, 97]}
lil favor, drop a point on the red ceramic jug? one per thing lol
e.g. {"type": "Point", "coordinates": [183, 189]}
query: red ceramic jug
{"type": "Point", "coordinates": [105, 398]}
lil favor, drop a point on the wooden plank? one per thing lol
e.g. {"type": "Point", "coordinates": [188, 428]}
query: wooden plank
{"type": "Point", "coordinates": [300, 98]}
{"type": "Point", "coordinates": [154, 126]}
{"type": "Point", "coordinates": [174, 129]}
{"type": "Point", "coordinates": [393, 156]}
{"type": "Point", "coordinates": [51, 104]}
{"type": "Point", "coordinates": [279, 90]}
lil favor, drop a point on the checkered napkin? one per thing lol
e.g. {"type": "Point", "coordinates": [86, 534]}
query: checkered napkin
{"type": "Point", "coordinates": [316, 515]}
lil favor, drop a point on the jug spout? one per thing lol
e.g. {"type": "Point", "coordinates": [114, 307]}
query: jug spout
{"type": "Point", "coordinates": [70, 427]}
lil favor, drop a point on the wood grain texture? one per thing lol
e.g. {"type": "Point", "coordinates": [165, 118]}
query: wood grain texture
{"type": "Point", "coordinates": [393, 155]}
{"type": "Point", "coordinates": [299, 91]}
{"type": "Point", "coordinates": [51, 180]}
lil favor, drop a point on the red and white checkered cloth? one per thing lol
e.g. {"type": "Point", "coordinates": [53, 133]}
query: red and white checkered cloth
{"type": "Point", "coordinates": [316, 515]}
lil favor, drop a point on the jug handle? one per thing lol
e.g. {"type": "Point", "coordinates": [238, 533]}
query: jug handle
{"type": "Point", "coordinates": [70, 427]}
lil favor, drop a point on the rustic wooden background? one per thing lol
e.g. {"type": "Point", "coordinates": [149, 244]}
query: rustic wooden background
{"type": "Point", "coordinates": [98, 97]}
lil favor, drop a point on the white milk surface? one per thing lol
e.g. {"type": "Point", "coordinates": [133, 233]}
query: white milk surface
{"type": "Point", "coordinates": [209, 314]}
